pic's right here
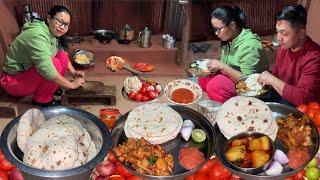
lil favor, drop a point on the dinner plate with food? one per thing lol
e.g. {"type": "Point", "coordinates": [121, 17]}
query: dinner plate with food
{"type": "Point", "coordinates": [249, 86]}
{"type": "Point", "coordinates": [259, 140]}
{"type": "Point", "coordinates": [140, 89]}
{"type": "Point", "coordinates": [160, 141]}
{"type": "Point", "coordinates": [199, 68]}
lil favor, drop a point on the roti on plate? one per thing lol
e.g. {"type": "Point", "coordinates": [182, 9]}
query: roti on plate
{"type": "Point", "coordinates": [246, 114]}
{"type": "Point", "coordinates": [29, 122]}
{"type": "Point", "coordinates": [156, 122]}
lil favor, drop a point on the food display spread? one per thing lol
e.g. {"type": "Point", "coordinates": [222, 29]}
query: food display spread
{"type": "Point", "coordinates": [58, 143]}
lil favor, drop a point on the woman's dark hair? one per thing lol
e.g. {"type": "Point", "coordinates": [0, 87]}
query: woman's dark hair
{"type": "Point", "coordinates": [227, 14]}
{"type": "Point", "coordinates": [295, 14]}
{"type": "Point", "coordinates": [58, 9]}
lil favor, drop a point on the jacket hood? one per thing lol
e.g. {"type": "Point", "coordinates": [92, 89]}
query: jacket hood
{"type": "Point", "coordinates": [244, 36]}
{"type": "Point", "coordinates": [37, 25]}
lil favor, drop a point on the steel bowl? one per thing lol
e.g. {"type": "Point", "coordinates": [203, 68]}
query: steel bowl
{"type": "Point", "coordinates": [250, 170]}
{"type": "Point", "coordinates": [88, 54]}
{"type": "Point", "coordinates": [97, 130]}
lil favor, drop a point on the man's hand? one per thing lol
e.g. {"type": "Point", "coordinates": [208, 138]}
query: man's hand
{"type": "Point", "coordinates": [266, 78]}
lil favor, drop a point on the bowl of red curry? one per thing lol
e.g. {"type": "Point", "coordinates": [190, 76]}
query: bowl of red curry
{"type": "Point", "coordinates": [183, 92]}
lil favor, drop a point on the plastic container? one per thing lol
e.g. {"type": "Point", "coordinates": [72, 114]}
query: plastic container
{"type": "Point", "coordinates": [109, 116]}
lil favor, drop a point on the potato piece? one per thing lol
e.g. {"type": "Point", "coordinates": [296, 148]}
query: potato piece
{"type": "Point", "coordinates": [237, 142]}
{"type": "Point", "coordinates": [265, 143]}
{"type": "Point", "coordinates": [254, 145]}
{"type": "Point", "coordinates": [236, 153]}
{"type": "Point", "coordinates": [259, 158]}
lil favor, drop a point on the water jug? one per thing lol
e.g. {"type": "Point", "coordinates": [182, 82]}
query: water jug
{"type": "Point", "coordinates": [145, 38]}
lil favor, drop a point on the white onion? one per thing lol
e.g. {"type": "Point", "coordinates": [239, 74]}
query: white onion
{"type": "Point", "coordinates": [186, 132]}
{"type": "Point", "coordinates": [188, 123]}
{"type": "Point", "coordinates": [281, 157]}
{"type": "Point", "coordinates": [274, 169]}
{"type": "Point", "coordinates": [106, 168]}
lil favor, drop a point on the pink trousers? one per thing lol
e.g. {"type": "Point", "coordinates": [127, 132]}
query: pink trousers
{"type": "Point", "coordinates": [31, 82]}
{"type": "Point", "coordinates": [219, 87]}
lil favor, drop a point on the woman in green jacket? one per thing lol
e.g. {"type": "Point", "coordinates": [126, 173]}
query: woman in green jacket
{"type": "Point", "coordinates": [242, 54]}
{"type": "Point", "coordinates": [34, 65]}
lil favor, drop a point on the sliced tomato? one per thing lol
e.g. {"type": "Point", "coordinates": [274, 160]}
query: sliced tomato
{"type": "Point", "coordinates": [302, 108]}
{"type": "Point", "coordinates": [205, 169]}
{"type": "Point", "coordinates": [112, 158]}
{"type": "Point", "coordinates": [122, 171]}
{"type": "Point", "coordinates": [4, 175]}
{"type": "Point", "coordinates": [144, 67]}
{"type": "Point", "coordinates": [6, 165]}
{"type": "Point", "coordinates": [314, 105]}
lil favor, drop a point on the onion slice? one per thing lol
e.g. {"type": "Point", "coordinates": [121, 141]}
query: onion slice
{"type": "Point", "coordinates": [281, 157]}
{"type": "Point", "coordinates": [186, 132]}
{"type": "Point", "coordinates": [274, 169]}
{"type": "Point", "coordinates": [188, 123]}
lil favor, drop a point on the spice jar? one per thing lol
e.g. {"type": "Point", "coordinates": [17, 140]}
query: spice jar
{"type": "Point", "coordinates": [109, 116]}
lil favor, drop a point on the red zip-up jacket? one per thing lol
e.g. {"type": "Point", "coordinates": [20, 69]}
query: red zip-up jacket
{"type": "Point", "coordinates": [300, 71]}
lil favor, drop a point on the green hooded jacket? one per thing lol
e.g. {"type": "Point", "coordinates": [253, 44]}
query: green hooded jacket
{"type": "Point", "coordinates": [33, 47]}
{"type": "Point", "coordinates": [245, 54]}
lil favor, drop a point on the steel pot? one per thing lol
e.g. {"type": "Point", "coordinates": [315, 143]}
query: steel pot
{"type": "Point", "coordinates": [103, 35]}
{"type": "Point", "coordinates": [97, 130]}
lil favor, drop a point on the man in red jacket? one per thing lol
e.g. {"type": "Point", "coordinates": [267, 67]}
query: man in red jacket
{"type": "Point", "coordinates": [295, 77]}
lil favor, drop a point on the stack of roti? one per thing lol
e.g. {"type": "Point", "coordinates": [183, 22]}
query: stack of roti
{"type": "Point", "coordinates": [156, 122]}
{"type": "Point", "coordinates": [246, 114]}
{"type": "Point", "coordinates": [56, 144]}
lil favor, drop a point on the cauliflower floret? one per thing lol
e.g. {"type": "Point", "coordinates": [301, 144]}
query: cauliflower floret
{"type": "Point", "coordinates": [132, 84]}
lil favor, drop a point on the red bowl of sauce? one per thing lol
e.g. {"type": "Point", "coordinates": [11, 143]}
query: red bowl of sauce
{"type": "Point", "coordinates": [183, 92]}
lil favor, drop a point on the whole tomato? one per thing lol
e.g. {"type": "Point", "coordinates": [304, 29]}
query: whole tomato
{"type": "Point", "coordinates": [316, 118]}
{"type": "Point", "coordinates": [302, 108]}
{"type": "Point", "coordinates": [152, 94]}
{"type": "Point", "coordinates": [112, 158]}
{"type": "Point", "coordinates": [4, 175]}
{"type": "Point", "coordinates": [201, 176]}
{"type": "Point", "coordinates": [143, 89]}
{"type": "Point", "coordinates": [190, 177]}
{"type": "Point", "coordinates": [300, 175]}
{"type": "Point", "coordinates": [6, 165]}
{"type": "Point", "coordinates": [205, 169]}
{"type": "Point", "coordinates": [1, 155]}
{"type": "Point", "coordinates": [219, 172]}
{"type": "Point", "coordinates": [311, 112]}
{"type": "Point", "coordinates": [138, 97]}
{"type": "Point", "coordinates": [134, 178]}
{"type": "Point", "coordinates": [314, 105]}
{"type": "Point", "coordinates": [145, 98]}
{"type": "Point", "coordinates": [122, 171]}
{"type": "Point", "coordinates": [132, 94]}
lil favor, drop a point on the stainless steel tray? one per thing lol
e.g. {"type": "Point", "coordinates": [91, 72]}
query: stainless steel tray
{"type": "Point", "coordinates": [279, 110]}
{"type": "Point", "coordinates": [97, 130]}
{"type": "Point", "coordinates": [207, 147]}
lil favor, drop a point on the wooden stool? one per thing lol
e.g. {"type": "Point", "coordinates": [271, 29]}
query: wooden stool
{"type": "Point", "coordinates": [92, 92]}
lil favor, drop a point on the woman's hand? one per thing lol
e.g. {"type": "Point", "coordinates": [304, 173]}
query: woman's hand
{"type": "Point", "coordinates": [215, 65]}
{"type": "Point", "coordinates": [77, 83]}
{"type": "Point", "coordinates": [266, 78]}
{"type": "Point", "coordinates": [77, 74]}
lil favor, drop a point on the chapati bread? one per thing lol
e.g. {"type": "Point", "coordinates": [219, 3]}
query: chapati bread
{"type": "Point", "coordinates": [56, 144]}
{"type": "Point", "coordinates": [156, 122]}
{"type": "Point", "coordinates": [29, 122]}
{"type": "Point", "coordinates": [246, 114]}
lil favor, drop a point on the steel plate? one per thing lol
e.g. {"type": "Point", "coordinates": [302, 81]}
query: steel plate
{"type": "Point", "coordinates": [125, 95]}
{"type": "Point", "coordinates": [97, 130]}
{"type": "Point", "coordinates": [265, 89]}
{"type": "Point", "coordinates": [279, 110]}
{"type": "Point", "coordinates": [207, 147]}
